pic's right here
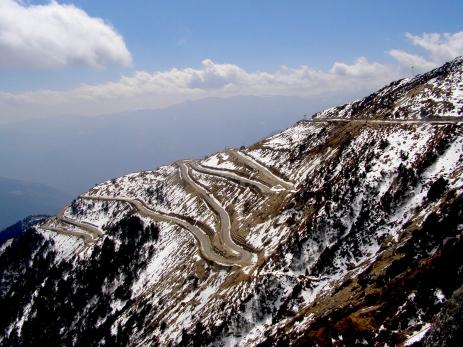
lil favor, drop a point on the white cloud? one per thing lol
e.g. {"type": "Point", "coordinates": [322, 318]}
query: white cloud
{"type": "Point", "coordinates": [440, 47]}
{"type": "Point", "coordinates": [408, 60]}
{"type": "Point", "coordinates": [56, 35]}
{"type": "Point", "coordinates": [157, 89]}
{"type": "Point", "coordinates": [163, 88]}
{"type": "Point", "coordinates": [361, 69]}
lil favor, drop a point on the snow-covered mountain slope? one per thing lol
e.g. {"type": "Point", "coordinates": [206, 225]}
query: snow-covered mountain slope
{"type": "Point", "coordinates": [438, 93]}
{"type": "Point", "coordinates": [335, 231]}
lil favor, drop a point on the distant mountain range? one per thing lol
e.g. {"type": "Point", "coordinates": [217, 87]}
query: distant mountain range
{"type": "Point", "coordinates": [15, 230]}
{"type": "Point", "coordinates": [19, 199]}
{"type": "Point", "coordinates": [73, 153]}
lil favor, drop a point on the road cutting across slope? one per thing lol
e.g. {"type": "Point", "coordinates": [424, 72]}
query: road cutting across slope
{"type": "Point", "coordinates": [386, 121]}
{"type": "Point", "coordinates": [90, 228]}
{"type": "Point", "coordinates": [239, 255]}
{"type": "Point", "coordinates": [89, 234]}
{"type": "Point", "coordinates": [231, 175]}
{"type": "Point", "coordinates": [224, 218]}
{"type": "Point", "coordinates": [88, 239]}
{"type": "Point", "coordinates": [253, 163]}
{"type": "Point", "coordinates": [205, 246]}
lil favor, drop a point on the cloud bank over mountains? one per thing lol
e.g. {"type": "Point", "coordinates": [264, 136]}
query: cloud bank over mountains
{"type": "Point", "coordinates": [57, 35]}
{"type": "Point", "coordinates": [163, 88]}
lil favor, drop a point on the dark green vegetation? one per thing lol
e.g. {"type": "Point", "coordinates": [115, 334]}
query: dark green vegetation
{"type": "Point", "coordinates": [13, 231]}
{"type": "Point", "coordinates": [399, 287]}
{"type": "Point", "coordinates": [63, 291]}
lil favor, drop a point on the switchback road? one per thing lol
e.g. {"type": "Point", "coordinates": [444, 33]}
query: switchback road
{"type": "Point", "coordinates": [204, 242]}
{"type": "Point", "coordinates": [231, 175]}
{"type": "Point", "coordinates": [251, 162]}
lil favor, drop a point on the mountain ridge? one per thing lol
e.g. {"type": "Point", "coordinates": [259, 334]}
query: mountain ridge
{"type": "Point", "coordinates": [428, 100]}
{"type": "Point", "coordinates": [340, 232]}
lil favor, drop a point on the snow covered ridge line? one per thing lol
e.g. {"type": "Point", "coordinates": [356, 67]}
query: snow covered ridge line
{"type": "Point", "coordinates": [437, 93]}
{"type": "Point", "coordinates": [454, 120]}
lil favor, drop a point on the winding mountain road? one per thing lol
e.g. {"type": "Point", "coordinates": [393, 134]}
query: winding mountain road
{"type": "Point", "coordinates": [251, 162]}
{"type": "Point", "coordinates": [90, 228]}
{"type": "Point", "coordinates": [237, 255]}
{"type": "Point", "coordinates": [89, 234]}
{"type": "Point", "coordinates": [88, 239]}
{"type": "Point", "coordinates": [234, 254]}
{"type": "Point", "coordinates": [225, 223]}
{"type": "Point", "coordinates": [204, 242]}
{"type": "Point", "coordinates": [231, 175]}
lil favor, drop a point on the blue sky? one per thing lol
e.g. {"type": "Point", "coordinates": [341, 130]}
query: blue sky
{"type": "Point", "coordinates": [253, 35]}
{"type": "Point", "coordinates": [267, 34]}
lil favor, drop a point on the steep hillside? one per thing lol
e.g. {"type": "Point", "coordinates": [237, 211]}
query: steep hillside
{"type": "Point", "coordinates": [344, 230]}
{"type": "Point", "coordinates": [436, 94]}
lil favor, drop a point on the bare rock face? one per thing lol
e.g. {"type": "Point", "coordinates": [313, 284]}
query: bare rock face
{"type": "Point", "coordinates": [341, 230]}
